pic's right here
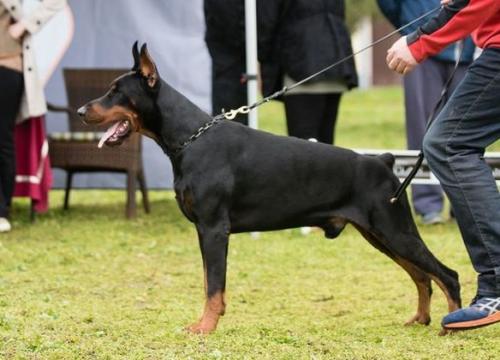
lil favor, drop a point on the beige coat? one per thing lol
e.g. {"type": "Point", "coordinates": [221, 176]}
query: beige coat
{"type": "Point", "coordinates": [33, 103]}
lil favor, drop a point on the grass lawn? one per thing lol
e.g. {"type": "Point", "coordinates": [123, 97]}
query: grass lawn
{"type": "Point", "coordinates": [87, 284]}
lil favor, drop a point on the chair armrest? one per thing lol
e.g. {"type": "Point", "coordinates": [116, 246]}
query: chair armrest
{"type": "Point", "coordinates": [56, 108]}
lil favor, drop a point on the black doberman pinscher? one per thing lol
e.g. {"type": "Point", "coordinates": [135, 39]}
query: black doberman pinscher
{"type": "Point", "coordinates": [230, 178]}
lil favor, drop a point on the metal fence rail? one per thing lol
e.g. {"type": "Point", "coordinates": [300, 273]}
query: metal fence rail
{"type": "Point", "coordinates": [406, 159]}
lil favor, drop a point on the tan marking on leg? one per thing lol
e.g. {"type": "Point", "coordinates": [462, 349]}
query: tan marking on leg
{"type": "Point", "coordinates": [452, 305]}
{"type": "Point", "coordinates": [419, 277]}
{"type": "Point", "coordinates": [215, 307]}
{"type": "Point", "coordinates": [422, 282]}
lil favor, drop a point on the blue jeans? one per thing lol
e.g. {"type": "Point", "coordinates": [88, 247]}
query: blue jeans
{"type": "Point", "coordinates": [454, 147]}
{"type": "Point", "coordinates": [423, 88]}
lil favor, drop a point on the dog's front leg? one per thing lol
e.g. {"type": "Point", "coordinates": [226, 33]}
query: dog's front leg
{"type": "Point", "coordinates": [213, 245]}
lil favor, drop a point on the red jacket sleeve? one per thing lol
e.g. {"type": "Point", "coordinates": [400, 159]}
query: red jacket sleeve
{"type": "Point", "coordinates": [454, 22]}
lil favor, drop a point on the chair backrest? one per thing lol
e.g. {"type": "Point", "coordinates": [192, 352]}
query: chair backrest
{"type": "Point", "coordinates": [83, 85]}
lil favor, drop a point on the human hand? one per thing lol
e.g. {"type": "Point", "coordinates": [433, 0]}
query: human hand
{"type": "Point", "coordinates": [446, 2]}
{"type": "Point", "coordinates": [17, 30]}
{"type": "Point", "coordinates": [399, 57]}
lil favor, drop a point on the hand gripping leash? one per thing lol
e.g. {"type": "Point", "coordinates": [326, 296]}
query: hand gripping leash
{"type": "Point", "coordinates": [442, 100]}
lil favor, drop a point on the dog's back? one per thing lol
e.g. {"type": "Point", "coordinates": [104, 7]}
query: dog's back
{"type": "Point", "coordinates": [277, 182]}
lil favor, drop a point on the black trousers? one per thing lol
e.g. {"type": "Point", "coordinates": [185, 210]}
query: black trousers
{"type": "Point", "coordinates": [11, 90]}
{"type": "Point", "coordinates": [312, 116]}
{"type": "Point", "coordinates": [228, 91]}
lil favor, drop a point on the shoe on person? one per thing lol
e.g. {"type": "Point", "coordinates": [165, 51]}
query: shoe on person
{"type": "Point", "coordinates": [483, 311]}
{"type": "Point", "coordinates": [432, 218]}
{"type": "Point", "coordinates": [4, 225]}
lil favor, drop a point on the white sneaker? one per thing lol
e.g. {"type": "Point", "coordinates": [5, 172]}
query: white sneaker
{"type": "Point", "coordinates": [4, 225]}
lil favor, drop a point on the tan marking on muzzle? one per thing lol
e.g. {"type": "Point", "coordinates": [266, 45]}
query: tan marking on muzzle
{"type": "Point", "coordinates": [98, 115]}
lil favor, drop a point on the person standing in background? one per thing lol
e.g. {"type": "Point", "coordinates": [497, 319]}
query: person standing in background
{"type": "Point", "coordinates": [308, 36]}
{"type": "Point", "coordinates": [422, 89]}
{"type": "Point", "coordinates": [225, 38]}
{"type": "Point", "coordinates": [20, 87]}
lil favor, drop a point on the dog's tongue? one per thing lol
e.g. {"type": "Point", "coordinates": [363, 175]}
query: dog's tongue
{"type": "Point", "coordinates": [108, 134]}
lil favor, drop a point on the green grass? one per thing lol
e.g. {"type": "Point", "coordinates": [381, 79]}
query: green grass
{"type": "Point", "coordinates": [366, 119]}
{"type": "Point", "coordinates": [88, 284]}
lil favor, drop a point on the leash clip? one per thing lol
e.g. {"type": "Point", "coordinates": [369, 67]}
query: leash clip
{"type": "Point", "coordinates": [230, 115]}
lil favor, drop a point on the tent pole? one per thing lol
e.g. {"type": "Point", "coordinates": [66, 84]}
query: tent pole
{"type": "Point", "coordinates": [251, 58]}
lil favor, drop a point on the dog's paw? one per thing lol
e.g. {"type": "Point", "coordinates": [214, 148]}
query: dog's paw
{"type": "Point", "coordinates": [445, 332]}
{"type": "Point", "coordinates": [423, 319]}
{"type": "Point", "coordinates": [200, 328]}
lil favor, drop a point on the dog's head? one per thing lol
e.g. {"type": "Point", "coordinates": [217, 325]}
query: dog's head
{"type": "Point", "coordinates": [129, 104]}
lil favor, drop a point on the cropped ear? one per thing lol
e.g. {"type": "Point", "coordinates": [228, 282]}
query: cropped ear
{"type": "Point", "coordinates": [135, 54]}
{"type": "Point", "coordinates": [147, 67]}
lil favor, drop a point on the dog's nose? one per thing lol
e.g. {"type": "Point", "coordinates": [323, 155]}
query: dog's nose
{"type": "Point", "coordinates": [81, 111]}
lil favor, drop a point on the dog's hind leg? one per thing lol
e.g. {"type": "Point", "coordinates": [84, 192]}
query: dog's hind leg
{"type": "Point", "coordinates": [421, 279]}
{"type": "Point", "coordinates": [213, 245]}
{"type": "Point", "coordinates": [424, 289]}
{"type": "Point", "coordinates": [418, 255]}
{"type": "Point", "coordinates": [399, 234]}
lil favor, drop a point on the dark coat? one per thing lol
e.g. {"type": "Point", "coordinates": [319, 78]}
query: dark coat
{"type": "Point", "coordinates": [309, 35]}
{"type": "Point", "coordinates": [225, 28]}
{"type": "Point", "coordinates": [225, 24]}
{"type": "Point", "coordinates": [295, 37]}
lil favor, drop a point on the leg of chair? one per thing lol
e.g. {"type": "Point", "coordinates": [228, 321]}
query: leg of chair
{"type": "Point", "coordinates": [69, 181]}
{"type": "Point", "coordinates": [131, 186]}
{"type": "Point", "coordinates": [144, 191]}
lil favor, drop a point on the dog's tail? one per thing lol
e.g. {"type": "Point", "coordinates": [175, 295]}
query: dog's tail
{"type": "Point", "coordinates": [388, 159]}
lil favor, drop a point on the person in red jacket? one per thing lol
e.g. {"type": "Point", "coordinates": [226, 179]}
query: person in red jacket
{"type": "Point", "coordinates": [455, 143]}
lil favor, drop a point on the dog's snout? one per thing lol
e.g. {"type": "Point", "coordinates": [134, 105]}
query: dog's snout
{"type": "Point", "coordinates": [82, 111]}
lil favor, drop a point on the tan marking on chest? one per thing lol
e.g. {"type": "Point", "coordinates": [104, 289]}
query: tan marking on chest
{"type": "Point", "coordinates": [186, 203]}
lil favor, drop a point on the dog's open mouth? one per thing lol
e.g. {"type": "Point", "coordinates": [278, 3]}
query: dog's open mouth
{"type": "Point", "coordinates": [115, 134]}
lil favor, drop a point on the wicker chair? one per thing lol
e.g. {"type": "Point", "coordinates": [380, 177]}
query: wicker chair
{"type": "Point", "coordinates": [77, 150]}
